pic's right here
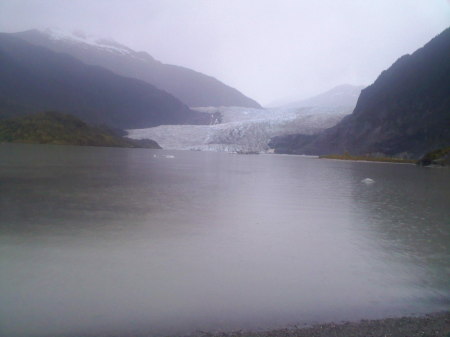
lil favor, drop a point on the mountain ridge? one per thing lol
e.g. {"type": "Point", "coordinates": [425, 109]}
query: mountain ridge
{"type": "Point", "coordinates": [34, 78]}
{"type": "Point", "coordinates": [191, 87]}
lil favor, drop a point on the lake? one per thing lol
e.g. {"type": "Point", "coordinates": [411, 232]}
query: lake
{"type": "Point", "coordinates": [138, 242]}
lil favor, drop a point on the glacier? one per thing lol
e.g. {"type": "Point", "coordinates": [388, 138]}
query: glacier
{"type": "Point", "coordinates": [242, 130]}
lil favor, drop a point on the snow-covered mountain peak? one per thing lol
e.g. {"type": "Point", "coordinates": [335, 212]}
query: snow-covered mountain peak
{"type": "Point", "coordinates": [80, 37]}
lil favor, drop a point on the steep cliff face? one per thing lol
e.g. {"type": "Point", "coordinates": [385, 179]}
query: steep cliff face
{"type": "Point", "coordinates": [406, 110]}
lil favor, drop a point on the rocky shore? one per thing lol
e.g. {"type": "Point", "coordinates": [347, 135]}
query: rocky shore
{"type": "Point", "coordinates": [434, 325]}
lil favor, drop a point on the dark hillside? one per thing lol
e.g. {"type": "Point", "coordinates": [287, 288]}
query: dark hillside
{"type": "Point", "coordinates": [405, 112]}
{"type": "Point", "coordinates": [62, 129]}
{"type": "Point", "coordinates": [191, 87]}
{"type": "Point", "coordinates": [33, 78]}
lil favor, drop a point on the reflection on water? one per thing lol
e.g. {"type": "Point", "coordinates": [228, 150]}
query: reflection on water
{"type": "Point", "coordinates": [129, 242]}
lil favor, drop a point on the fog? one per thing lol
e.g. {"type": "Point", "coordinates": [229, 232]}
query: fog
{"type": "Point", "coordinates": [270, 50]}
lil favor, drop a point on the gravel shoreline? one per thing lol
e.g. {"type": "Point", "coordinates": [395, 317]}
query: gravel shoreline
{"type": "Point", "coordinates": [433, 325]}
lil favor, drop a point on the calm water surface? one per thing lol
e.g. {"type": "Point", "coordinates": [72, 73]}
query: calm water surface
{"type": "Point", "coordinates": [129, 242]}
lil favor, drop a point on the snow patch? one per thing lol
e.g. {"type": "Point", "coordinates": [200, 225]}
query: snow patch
{"type": "Point", "coordinates": [88, 39]}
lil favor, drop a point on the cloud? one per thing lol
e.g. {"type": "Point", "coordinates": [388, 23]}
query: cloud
{"type": "Point", "coordinates": [267, 49]}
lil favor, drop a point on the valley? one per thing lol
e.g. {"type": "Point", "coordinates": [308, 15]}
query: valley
{"type": "Point", "coordinates": [133, 201]}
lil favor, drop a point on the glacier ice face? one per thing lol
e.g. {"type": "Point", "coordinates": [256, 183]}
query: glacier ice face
{"type": "Point", "coordinates": [242, 129]}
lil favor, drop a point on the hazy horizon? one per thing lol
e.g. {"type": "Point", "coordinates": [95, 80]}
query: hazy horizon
{"type": "Point", "coordinates": [268, 50]}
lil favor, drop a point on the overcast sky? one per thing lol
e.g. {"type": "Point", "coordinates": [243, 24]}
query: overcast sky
{"type": "Point", "coordinates": [268, 49]}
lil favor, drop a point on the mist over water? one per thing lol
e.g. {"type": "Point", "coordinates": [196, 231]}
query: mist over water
{"type": "Point", "coordinates": [135, 242]}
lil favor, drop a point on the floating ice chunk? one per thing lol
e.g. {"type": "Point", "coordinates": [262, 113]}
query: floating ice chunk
{"type": "Point", "coordinates": [168, 156]}
{"type": "Point", "coordinates": [368, 181]}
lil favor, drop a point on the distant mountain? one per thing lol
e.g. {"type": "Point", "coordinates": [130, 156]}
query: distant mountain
{"type": "Point", "coordinates": [406, 111]}
{"type": "Point", "coordinates": [61, 129]}
{"type": "Point", "coordinates": [34, 78]}
{"type": "Point", "coordinates": [191, 87]}
{"type": "Point", "coordinates": [344, 95]}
